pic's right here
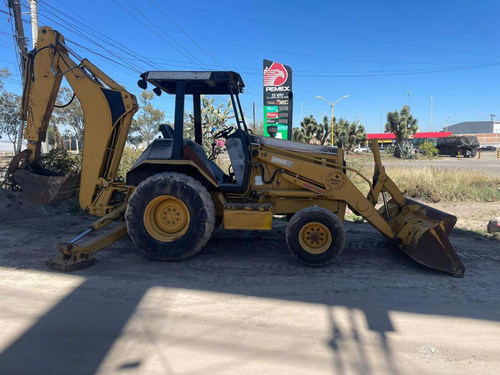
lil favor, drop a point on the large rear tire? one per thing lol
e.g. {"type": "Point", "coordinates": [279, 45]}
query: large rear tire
{"type": "Point", "coordinates": [170, 216]}
{"type": "Point", "coordinates": [315, 236]}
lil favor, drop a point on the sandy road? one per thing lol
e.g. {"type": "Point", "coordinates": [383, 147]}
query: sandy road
{"type": "Point", "coordinates": [244, 306]}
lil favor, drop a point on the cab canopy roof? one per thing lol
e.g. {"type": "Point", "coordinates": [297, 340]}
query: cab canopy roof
{"type": "Point", "coordinates": [210, 83]}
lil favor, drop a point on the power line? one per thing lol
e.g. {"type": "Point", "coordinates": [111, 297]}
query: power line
{"type": "Point", "coordinates": [187, 35]}
{"type": "Point", "coordinates": [316, 56]}
{"type": "Point", "coordinates": [316, 31]}
{"type": "Point", "coordinates": [76, 29]}
{"type": "Point", "coordinates": [396, 73]}
{"type": "Point", "coordinates": [128, 51]}
{"type": "Point", "coordinates": [170, 43]}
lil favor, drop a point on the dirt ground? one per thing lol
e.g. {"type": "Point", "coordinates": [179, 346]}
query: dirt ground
{"type": "Point", "coordinates": [243, 305]}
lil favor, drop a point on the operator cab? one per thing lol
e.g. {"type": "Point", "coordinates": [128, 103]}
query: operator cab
{"type": "Point", "coordinates": [173, 145]}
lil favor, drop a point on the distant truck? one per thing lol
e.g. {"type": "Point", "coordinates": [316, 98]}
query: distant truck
{"type": "Point", "coordinates": [466, 145]}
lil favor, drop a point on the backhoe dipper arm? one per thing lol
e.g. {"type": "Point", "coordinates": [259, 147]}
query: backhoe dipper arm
{"type": "Point", "coordinates": [107, 107]}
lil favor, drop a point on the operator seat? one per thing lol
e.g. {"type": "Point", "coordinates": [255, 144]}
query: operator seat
{"type": "Point", "coordinates": [194, 152]}
{"type": "Point", "coordinates": [235, 145]}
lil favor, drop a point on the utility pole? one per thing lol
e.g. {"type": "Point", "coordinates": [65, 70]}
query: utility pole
{"type": "Point", "coordinates": [408, 93]}
{"type": "Point", "coordinates": [23, 53]}
{"type": "Point", "coordinates": [431, 110]}
{"type": "Point", "coordinates": [34, 37]}
{"type": "Point", "coordinates": [254, 117]}
{"type": "Point", "coordinates": [34, 22]}
{"type": "Point", "coordinates": [20, 38]}
{"type": "Point", "coordinates": [492, 123]}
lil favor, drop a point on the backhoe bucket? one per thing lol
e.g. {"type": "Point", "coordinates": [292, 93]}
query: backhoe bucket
{"type": "Point", "coordinates": [45, 189]}
{"type": "Point", "coordinates": [422, 233]}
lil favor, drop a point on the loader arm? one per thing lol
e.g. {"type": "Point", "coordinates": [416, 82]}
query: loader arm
{"type": "Point", "coordinates": [107, 108]}
{"type": "Point", "coordinates": [419, 230]}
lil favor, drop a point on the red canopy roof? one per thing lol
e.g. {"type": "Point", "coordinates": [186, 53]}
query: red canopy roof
{"type": "Point", "coordinates": [433, 135]}
{"type": "Point", "coordinates": [417, 135]}
{"type": "Point", "coordinates": [381, 136]}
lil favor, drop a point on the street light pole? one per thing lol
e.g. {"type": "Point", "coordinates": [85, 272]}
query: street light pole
{"type": "Point", "coordinates": [431, 111]}
{"type": "Point", "coordinates": [447, 122]}
{"type": "Point", "coordinates": [332, 105]}
{"type": "Point", "coordinates": [301, 108]}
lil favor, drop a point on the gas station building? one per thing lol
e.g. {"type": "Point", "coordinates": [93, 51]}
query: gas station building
{"type": "Point", "coordinates": [387, 139]}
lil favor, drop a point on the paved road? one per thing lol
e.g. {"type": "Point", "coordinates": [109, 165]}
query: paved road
{"type": "Point", "coordinates": [488, 163]}
{"type": "Point", "coordinates": [244, 306]}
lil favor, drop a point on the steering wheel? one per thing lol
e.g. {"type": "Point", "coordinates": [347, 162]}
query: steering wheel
{"type": "Point", "coordinates": [224, 132]}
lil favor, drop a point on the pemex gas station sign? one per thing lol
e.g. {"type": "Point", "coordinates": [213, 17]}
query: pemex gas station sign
{"type": "Point", "coordinates": [278, 99]}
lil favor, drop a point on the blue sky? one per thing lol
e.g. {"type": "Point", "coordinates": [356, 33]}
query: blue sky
{"type": "Point", "coordinates": [375, 51]}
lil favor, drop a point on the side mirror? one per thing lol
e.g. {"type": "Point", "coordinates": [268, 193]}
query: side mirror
{"type": "Point", "coordinates": [142, 83]}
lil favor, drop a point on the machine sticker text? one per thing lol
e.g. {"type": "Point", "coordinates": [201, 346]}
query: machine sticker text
{"type": "Point", "coordinates": [280, 161]}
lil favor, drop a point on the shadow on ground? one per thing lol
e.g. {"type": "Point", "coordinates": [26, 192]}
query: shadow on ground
{"type": "Point", "coordinates": [370, 276]}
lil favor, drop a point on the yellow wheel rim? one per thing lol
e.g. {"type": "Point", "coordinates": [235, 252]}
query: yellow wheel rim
{"type": "Point", "coordinates": [166, 218]}
{"type": "Point", "coordinates": [315, 238]}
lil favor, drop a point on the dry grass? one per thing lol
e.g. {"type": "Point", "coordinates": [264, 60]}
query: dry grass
{"type": "Point", "coordinates": [432, 184]}
{"type": "Point", "coordinates": [425, 183]}
{"type": "Point", "coordinates": [454, 185]}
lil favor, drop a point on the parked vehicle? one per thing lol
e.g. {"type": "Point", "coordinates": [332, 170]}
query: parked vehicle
{"type": "Point", "coordinates": [487, 148]}
{"type": "Point", "coordinates": [466, 145]}
{"type": "Point", "coordinates": [358, 149]}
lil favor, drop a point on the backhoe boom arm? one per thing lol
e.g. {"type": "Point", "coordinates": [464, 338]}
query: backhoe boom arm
{"type": "Point", "coordinates": [107, 108]}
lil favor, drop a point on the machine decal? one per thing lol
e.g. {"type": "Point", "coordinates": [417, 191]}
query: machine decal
{"type": "Point", "coordinates": [280, 161]}
{"type": "Point", "coordinates": [313, 188]}
{"type": "Point", "coordinates": [335, 180]}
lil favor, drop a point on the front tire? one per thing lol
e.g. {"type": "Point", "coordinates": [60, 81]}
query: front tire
{"type": "Point", "coordinates": [170, 216]}
{"type": "Point", "coordinates": [315, 236]}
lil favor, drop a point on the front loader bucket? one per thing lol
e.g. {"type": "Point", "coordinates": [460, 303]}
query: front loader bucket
{"type": "Point", "coordinates": [46, 189]}
{"type": "Point", "coordinates": [422, 233]}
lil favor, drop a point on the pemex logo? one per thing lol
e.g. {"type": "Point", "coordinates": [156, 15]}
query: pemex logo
{"type": "Point", "coordinates": [275, 75]}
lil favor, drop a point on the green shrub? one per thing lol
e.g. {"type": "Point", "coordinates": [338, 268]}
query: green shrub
{"type": "Point", "coordinates": [60, 161]}
{"type": "Point", "coordinates": [389, 149]}
{"type": "Point", "coordinates": [129, 157]}
{"type": "Point", "coordinates": [7, 182]}
{"type": "Point", "coordinates": [57, 161]}
{"type": "Point", "coordinates": [428, 149]}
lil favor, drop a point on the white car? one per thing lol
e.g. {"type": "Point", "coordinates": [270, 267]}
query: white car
{"type": "Point", "coordinates": [359, 149]}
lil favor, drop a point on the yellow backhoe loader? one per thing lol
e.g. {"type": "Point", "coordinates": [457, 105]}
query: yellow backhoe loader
{"type": "Point", "coordinates": [174, 195]}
